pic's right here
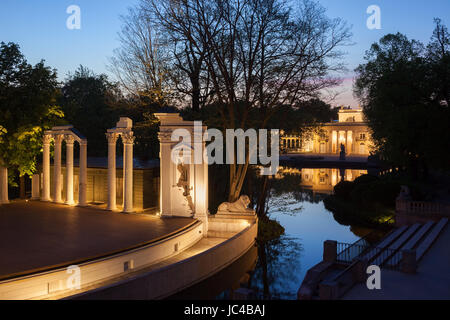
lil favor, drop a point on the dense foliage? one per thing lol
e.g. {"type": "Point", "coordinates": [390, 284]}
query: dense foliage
{"type": "Point", "coordinates": [405, 90]}
{"type": "Point", "coordinates": [368, 200]}
{"type": "Point", "coordinates": [90, 104]}
{"type": "Point", "coordinates": [93, 104]}
{"type": "Point", "coordinates": [28, 106]}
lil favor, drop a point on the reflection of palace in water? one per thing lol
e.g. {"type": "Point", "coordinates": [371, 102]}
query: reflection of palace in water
{"type": "Point", "coordinates": [322, 180]}
{"type": "Point", "coordinates": [350, 130]}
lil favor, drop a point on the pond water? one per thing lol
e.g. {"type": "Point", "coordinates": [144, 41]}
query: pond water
{"type": "Point", "coordinates": [301, 247]}
{"type": "Point", "coordinates": [279, 265]}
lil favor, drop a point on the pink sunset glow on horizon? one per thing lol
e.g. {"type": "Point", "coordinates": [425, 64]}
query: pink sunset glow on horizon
{"type": "Point", "coordinates": [344, 94]}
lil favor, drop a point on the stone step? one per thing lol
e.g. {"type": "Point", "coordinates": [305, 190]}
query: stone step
{"type": "Point", "coordinates": [385, 243]}
{"type": "Point", "coordinates": [405, 236]}
{"type": "Point", "coordinates": [431, 237]}
{"type": "Point", "coordinates": [398, 243]}
{"type": "Point", "coordinates": [418, 236]}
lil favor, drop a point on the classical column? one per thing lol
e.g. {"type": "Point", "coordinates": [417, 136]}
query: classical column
{"type": "Point", "coordinates": [128, 140]}
{"type": "Point", "coordinates": [349, 142]}
{"type": "Point", "coordinates": [4, 198]}
{"type": "Point", "coordinates": [200, 177]}
{"type": "Point", "coordinates": [338, 149]}
{"type": "Point", "coordinates": [165, 173]}
{"type": "Point", "coordinates": [69, 169]}
{"type": "Point", "coordinates": [341, 140]}
{"type": "Point", "coordinates": [57, 169]}
{"type": "Point", "coordinates": [82, 200]}
{"type": "Point", "coordinates": [345, 140]}
{"type": "Point", "coordinates": [35, 187]}
{"type": "Point", "coordinates": [112, 139]}
{"type": "Point", "coordinates": [46, 168]}
{"type": "Point", "coordinates": [334, 139]}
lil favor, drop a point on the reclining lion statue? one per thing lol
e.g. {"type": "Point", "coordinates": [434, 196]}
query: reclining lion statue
{"type": "Point", "coordinates": [240, 206]}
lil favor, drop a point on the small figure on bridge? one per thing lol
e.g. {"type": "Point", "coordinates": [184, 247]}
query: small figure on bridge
{"type": "Point", "coordinates": [342, 153]}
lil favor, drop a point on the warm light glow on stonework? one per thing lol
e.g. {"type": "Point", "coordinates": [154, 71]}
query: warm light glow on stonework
{"type": "Point", "coordinates": [350, 130]}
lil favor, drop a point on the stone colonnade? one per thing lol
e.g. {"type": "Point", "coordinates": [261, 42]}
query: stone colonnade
{"type": "Point", "coordinates": [69, 135]}
{"type": "Point", "coordinates": [122, 129]}
{"type": "Point", "coordinates": [291, 142]}
{"type": "Point", "coordinates": [330, 144]}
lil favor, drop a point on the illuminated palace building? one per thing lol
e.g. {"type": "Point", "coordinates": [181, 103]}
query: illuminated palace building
{"type": "Point", "coordinates": [350, 130]}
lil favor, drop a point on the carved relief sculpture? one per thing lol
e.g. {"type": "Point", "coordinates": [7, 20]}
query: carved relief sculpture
{"type": "Point", "coordinates": [183, 182]}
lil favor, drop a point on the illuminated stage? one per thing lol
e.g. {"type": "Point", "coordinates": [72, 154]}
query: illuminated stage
{"type": "Point", "coordinates": [119, 256]}
{"type": "Point", "coordinates": [37, 236]}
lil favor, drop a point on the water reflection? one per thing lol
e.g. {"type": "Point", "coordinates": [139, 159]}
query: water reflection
{"type": "Point", "coordinates": [276, 268]}
{"type": "Point", "coordinates": [295, 200]}
{"type": "Point", "coordinates": [320, 180]}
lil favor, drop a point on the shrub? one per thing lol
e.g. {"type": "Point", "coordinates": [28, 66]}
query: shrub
{"type": "Point", "coordinates": [343, 189]}
{"type": "Point", "coordinates": [365, 178]}
{"type": "Point", "coordinates": [382, 192]}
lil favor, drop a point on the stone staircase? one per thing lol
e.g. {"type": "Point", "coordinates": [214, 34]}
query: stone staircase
{"type": "Point", "coordinates": [400, 250]}
{"type": "Point", "coordinates": [430, 238]}
{"type": "Point", "coordinates": [417, 237]}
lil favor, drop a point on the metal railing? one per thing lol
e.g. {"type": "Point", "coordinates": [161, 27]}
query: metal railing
{"type": "Point", "coordinates": [348, 252]}
{"type": "Point", "coordinates": [387, 258]}
{"type": "Point", "coordinates": [383, 257]}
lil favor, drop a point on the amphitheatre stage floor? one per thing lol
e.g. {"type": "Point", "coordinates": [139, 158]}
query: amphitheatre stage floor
{"type": "Point", "coordinates": [37, 236]}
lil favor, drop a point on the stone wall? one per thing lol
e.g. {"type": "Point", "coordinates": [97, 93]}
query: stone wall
{"type": "Point", "coordinates": [145, 185]}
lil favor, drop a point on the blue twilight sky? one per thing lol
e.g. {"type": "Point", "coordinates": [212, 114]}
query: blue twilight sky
{"type": "Point", "coordinates": [39, 27]}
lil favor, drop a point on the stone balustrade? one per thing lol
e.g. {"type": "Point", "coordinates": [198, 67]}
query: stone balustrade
{"type": "Point", "coordinates": [422, 207]}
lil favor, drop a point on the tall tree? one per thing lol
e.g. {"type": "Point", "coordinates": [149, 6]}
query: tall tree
{"type": "Point", "coordinates": [438, 55]}
{"type": "Point", "coordinates": [28, 106]}
{"type": "Point", "coordinates": [90, 103]}
{"type": "Point", "coordinates": [405, 99]}
{"type": "Point", "coordinates": [139, 63]}
{"type": "Point", "coordinates": [258, 54]}
{"type": "Point", "coordinates": [438, 81]}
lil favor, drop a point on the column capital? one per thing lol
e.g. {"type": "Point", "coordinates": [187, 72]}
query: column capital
{"type": "Point", "coordinates": [128, 137]}
{"type": "Point", "coordinates": [59, 138]}
{"type": "Point", "coordinates": [165, 136]}
{"type": "Point", "coordinates": [69, 139]}
{"type": "Point", "coordinates": [112, 137]}
{"type": "Point", "coordinates": [83, 143]}
{"type": "Point", "coordinates": [47, 139]}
